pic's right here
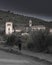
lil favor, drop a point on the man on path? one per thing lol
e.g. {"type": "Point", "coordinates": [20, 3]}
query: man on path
{"type": "Point", "coordinates": [19, 44]}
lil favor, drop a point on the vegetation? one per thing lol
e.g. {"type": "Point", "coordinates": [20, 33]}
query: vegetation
{"type": "Point", "coordinates": [40, 41]}
{"type": "Point", "coordinates": [21, 19]}
{"type": "Point", "coordinates": [37, 41]}
{"type": "Point", "coordinates": [11, 40]}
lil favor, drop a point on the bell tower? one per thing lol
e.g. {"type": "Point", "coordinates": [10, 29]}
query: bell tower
{"type": "Point", "coordinates": [8, 28]}
{"type": "Point", "coordinates": [30, 23]}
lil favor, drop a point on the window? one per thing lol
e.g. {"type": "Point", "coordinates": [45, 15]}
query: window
{"type": "Point", "coordinates": [8, 24]}
{"type": "Point", "coordinates": [8, 29]}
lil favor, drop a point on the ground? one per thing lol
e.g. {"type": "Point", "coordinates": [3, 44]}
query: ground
{"type": "Point", "coordinates": [7, 58]}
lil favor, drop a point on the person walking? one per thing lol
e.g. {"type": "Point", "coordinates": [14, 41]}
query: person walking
{"type": "Point", "coordinates": [19, 44]}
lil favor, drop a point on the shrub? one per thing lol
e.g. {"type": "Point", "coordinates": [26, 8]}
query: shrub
{"type": "Point", "coordinates": [11, 40]}
{"type": "Point", "coordinates": [37, 41]}
{"type": "Point", "coordinates": [25, 40]}
{"type": "Point", "coordinates": [49, 40]}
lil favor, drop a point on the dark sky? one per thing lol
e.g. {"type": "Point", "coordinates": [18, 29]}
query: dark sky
{"type": "Point", "coordinates": [37, 8]}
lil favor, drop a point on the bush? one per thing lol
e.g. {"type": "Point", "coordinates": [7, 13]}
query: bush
{"type": "Point", "coordinates": [49, 40]}
{"type": "Point", "coordinates": [25, 40]}
{"type": "Point", "coordinates": [49, 43]}
{"type": "Point", "coordinates": [37, 41]}
{"type": "Point", "coordinates": [11, 40]}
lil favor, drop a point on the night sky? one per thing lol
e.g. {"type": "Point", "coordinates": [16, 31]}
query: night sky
{"type": "Point", "coordinates": [37, 8]}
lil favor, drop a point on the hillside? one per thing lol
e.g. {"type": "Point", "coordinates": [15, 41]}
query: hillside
{"type": "Point", "coordinates": [20, 19]}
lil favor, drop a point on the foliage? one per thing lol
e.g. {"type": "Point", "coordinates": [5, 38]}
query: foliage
{"type": "Point", "coordinates": [11, 40]}
{"type": "Point", "coordinates": [37, 41]}
{"type": "Point", "coordinates": [25, 40]}
{"type": "Point", "coordinates": [49, 40]}
{"type": "Point", "coordinates": [16, 18]}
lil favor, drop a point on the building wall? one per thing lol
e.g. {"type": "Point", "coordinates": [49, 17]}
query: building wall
{"type": "Point", "coordinates": [38, 27]}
